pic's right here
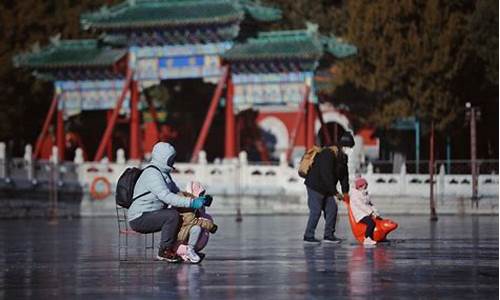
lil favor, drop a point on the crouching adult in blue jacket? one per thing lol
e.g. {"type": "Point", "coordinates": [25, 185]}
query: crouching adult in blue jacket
{"type": "Point", "coordinates": [157, 194]}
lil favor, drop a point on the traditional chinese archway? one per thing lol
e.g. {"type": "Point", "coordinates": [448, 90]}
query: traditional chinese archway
{"type": "Point", "coordinates": [144, 42]}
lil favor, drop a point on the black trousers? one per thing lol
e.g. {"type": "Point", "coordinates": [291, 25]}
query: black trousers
{"type": "Point", "coordinates": [166, 220]}
{"type": "Point", "coordinates": [370, 226]}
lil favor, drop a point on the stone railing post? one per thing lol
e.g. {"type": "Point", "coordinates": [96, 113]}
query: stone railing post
{"type": "Point", "coordinates": [402, 179]}
{"type": "Point", "coordinates": [54, 156]}
{"type": "Point", "coordinates": [54, 159]}
{"type": "Point", "coordinates": [28, 162]}
{"type": "Point", "coordinates": [283, 169]}
{"type": "Point", "coordinates": [3, 162]}
{"type": "Point", "coordinates": [202, 158]}
{"type": "Point", "coordinates": [441, 182]}
{"type": "Point", "coordinates": [78, 160]}
{"type": "Point", "coordinates": [369, 174]}
{"type": "Point", "coordinates": [201, 167]}
{"type": "Point", "coordinates": [120, 157]}
{"type": "Point", "coordinates": [369, 169]}
{"type": "Point", "coordinates": [243, 160]}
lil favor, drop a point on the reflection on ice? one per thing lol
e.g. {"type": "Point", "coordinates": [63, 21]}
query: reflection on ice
{"type": "Point", "coordinates": [263, 257]}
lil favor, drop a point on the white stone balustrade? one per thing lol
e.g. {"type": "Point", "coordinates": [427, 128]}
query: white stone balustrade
{"type": "Point", "coordinates": [241, 177]}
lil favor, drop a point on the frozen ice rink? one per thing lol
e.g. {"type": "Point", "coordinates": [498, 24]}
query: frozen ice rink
{"type": "Point", "coordinates": [262, 257]}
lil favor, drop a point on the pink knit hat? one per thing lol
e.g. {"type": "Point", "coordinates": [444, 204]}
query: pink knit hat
{"type": "Point", "coordinates": [359, 182]}
{"type": "Point", "coordinates": [195, 188]}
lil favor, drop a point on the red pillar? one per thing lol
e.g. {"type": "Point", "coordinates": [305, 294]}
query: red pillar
{"type": "Point", "coordinates": [45, 128]}
{"type": "Point", "coordinates": [109, 146]}
{"type": "Point", "coordinates": [154, 116]}
{"type": "Point", "coordinates": [200, 142]}
{"type": "Point", "coordinates": [60, 133]}
{"type": "Point", "coordinates": [109, 127]}
{"type": "Point", "coordinates": [134, 121]}
{"type": "Point", "coordinates": [230, 144]}
{"type": "Point", "coordinates": [298, 121]}
{"type": "Point", "coordinates": [310, 136]}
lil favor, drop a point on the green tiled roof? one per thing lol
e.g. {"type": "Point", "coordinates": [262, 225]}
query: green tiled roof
{"type": "Point", "coordinates": [259, 12]}
{"type": "Point", "coordinates": [277, 44]}
{"type": "Point", "coordinates": [151, 13]}
{"type": "Point", "coordinates": [70, 53]}
{"type": "Point", "coordinates": [338, 47]}
{"type": "Point", "coordinates": [296, 44]}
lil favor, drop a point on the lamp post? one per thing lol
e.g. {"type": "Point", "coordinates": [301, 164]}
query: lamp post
{"type": "Point", "coordinates": [431, 174]}
{"type": "Point", "coordinates": [473, 114]}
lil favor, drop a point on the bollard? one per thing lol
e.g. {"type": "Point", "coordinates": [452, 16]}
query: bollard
{"type": "Point", "coordinates": [239, 217]}
{"type": "Point", "coordinates": [53, 186]}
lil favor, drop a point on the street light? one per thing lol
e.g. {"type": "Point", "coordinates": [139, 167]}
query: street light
{"type": "Point", "coordinates": [473, 114]}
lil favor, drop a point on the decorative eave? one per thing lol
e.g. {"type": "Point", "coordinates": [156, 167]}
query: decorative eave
{"type": "Point", "coordinates": [305, 44]}
{"type": "Point", "coordinates": [337, 47]}
{"type": "Point", "coordinates": [70, 54]}
{"type": "Point", "coordinates": [173, 13]}
{"type": "Point", "coordinates": [259, 12]}
{"type": "Point", "coordinates": [296, 44]}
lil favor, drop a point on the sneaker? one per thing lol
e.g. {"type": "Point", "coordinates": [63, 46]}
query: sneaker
{"type": "Point", "coordinates": [311, 240]}
{"type": "Point", "coordinates": [191, 256]}
{"type": "Point", "coordinates": [369, 242]}
{"type": "Point", "coordinates": [332, 240]}
{"type": "Point", "coordinates": [168, 255]}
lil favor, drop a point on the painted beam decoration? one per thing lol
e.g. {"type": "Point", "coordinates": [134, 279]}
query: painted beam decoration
{"type": "Point", "coordinates": [83, 95]}
{"type": "Point", "coordinates": [272, 89]}
{"type": "Point", "coordinates": [176, 62]}
{"type": "Point", "coordinates": [274, 68]}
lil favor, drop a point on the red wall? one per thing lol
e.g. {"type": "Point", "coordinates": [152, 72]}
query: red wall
{"type": "Point", "coordinates": [289, 119]}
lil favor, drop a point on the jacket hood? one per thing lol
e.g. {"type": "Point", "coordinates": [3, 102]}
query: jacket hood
{"type": "Point", "coordinates": [163, 156]}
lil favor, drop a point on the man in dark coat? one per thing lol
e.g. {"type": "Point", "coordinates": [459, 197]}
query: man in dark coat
{"type": "Point", "coordinates": [329, 168]}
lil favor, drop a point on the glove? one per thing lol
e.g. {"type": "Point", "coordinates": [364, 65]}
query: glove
{"type": "Point", "coordinates": [197, 202]}
{"type": "Point", "coordinates": [208, 200]}
{"type": "Point", "coordinates": [346, 198]}
{"type": "Point", "coordinates": [214, 229]}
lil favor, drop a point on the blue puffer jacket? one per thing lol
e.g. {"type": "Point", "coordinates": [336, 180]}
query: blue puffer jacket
{"type": "Point", "coordinates": [163, 189]}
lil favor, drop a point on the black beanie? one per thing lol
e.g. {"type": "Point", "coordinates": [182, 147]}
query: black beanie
{"type": "Point", "coordinates": [346, 140]}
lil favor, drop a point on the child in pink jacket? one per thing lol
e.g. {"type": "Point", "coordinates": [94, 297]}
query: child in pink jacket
{"type": "Point", "coordinates": [363, 209]}
{"type": "Point", "coordinates": [194, 228]}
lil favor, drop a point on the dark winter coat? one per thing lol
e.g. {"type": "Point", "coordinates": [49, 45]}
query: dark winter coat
{"type": "Point", "coordinates": [327, 169]}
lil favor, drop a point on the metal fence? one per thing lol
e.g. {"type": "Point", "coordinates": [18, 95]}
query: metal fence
{"type": "Point", "coordinates": [484, 166]}
{"type": "Point", "coordinates": [39, 170]}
